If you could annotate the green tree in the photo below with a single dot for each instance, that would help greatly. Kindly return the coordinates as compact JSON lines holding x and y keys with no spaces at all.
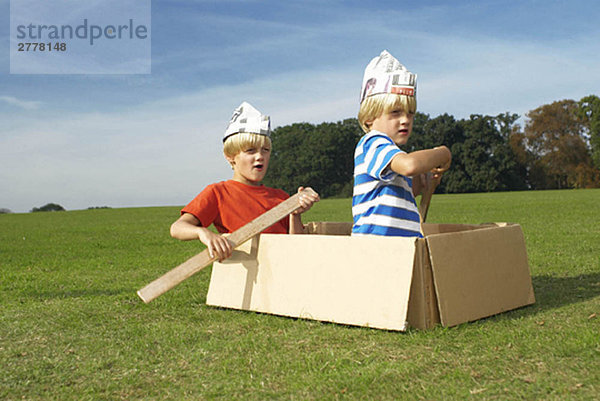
{"x":513,"y":175}
{"x":442,"y":130}
{"x":49,"y":207}
{"x":523,"y":157}
{"x":590,"y":113}
{"x":482,"y":158}
{"x":320,"y":156}
{"x":476,"y":154}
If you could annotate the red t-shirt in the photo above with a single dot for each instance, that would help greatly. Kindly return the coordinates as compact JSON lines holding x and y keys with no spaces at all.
{"x":230,"y":205}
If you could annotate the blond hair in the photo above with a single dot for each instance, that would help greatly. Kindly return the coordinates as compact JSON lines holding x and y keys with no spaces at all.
{"x":239,"y":142}
{"x":375,"y":106}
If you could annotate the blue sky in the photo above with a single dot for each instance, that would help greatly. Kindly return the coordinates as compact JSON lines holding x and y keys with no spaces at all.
{"x":155,"y":139}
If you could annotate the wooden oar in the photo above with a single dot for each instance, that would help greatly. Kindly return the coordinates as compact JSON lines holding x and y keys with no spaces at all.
{"x":203,"y":259}
{"x":426,"y":199}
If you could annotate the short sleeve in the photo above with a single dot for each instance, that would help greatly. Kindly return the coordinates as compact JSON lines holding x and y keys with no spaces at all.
{"x":204,"y":206}
{"x":379,"y":152}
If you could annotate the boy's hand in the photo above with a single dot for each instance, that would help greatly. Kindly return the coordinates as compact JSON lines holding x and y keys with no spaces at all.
{"x":436,"y":178}
{"x":306,"y":200}
{"x":218,"y":245}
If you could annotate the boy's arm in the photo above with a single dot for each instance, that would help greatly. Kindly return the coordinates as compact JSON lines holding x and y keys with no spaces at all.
{"x":436,"y":160}
{"x":306,"y":201}
{"x":187,"y":227}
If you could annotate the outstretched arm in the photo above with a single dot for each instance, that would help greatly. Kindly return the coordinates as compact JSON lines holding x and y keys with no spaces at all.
{"x":436,"y":160}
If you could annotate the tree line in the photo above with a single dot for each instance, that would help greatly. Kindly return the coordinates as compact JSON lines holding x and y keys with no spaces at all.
{"x":50,"y":207}
{"x":558,"y":147}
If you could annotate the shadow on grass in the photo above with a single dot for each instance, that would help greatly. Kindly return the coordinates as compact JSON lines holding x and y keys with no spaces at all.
{"x":553,"y":292}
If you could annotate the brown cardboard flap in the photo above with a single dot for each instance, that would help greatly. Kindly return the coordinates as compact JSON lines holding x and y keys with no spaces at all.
{"x":329,"y":228}
{"x":361,"y":281}
{"x":433,"y":228}
{"x":479,"y":273}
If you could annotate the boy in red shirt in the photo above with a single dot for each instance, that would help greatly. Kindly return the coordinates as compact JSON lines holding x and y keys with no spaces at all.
{"x":231,"y":204}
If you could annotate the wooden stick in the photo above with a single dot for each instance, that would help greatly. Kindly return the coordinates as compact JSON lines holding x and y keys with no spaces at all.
{"x":426,"y":198}
{"x":203,"y":259}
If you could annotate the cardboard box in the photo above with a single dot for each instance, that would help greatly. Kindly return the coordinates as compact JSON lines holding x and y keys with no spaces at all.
{"x":456,"y":274}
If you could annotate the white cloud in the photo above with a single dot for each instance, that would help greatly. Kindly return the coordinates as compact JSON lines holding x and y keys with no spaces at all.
{"x":23,"y":104}
{"x":490,"y":76}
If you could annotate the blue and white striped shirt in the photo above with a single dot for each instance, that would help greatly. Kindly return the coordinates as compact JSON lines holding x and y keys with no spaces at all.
{"x":382,"y":202}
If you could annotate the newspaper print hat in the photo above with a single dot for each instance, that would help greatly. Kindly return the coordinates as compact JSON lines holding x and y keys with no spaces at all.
{"x":247,"y":119}
{"x":385,"y":74}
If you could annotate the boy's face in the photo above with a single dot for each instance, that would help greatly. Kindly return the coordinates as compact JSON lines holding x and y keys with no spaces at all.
{"x":250,"y":165}
{"x":397,"y":124}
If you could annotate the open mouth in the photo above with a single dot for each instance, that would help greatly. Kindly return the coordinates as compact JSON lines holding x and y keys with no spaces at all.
{"x":258,"y":166}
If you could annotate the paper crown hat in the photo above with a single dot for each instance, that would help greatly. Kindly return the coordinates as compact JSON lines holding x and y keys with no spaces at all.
{"x":247,"y":119}
{"x":385,"y":74}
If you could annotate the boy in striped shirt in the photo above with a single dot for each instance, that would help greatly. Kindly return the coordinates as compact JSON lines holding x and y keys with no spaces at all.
{"x":383,"y":201}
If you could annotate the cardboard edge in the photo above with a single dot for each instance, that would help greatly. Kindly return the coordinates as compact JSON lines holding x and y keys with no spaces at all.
{"x":423,"y":310}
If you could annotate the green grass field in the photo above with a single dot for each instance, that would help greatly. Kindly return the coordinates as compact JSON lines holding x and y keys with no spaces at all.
{"x":72,"y":327}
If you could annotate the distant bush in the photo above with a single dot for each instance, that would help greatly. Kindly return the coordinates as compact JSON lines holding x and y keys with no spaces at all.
{"x":5,"y":211}
{"x":49,"y":207}
{"x":98,"y":207}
